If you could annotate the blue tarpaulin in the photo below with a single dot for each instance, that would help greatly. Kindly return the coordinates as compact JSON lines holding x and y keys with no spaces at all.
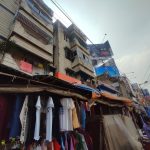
{"x":148,"y":111}
{"x":86,"y":88}
{"x":107,"y":88}
{"x":111,"y":70}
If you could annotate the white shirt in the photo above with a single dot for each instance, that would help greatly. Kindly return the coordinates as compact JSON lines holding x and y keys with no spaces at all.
{"x":49,"y":117}
{"x":37,"y":122}
{"x":23,"y":120}
{"x":65,"y":114}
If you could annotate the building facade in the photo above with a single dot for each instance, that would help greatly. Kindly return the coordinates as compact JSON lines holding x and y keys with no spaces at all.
{"x":71,"y":56}
{"x":28,"y":27}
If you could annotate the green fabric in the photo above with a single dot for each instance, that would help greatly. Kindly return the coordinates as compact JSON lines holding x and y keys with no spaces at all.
{"x":80,"y":143}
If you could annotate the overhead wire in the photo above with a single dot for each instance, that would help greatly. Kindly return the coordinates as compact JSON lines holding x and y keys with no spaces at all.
{"x":148,"y":70}
{"x":68,"y":17}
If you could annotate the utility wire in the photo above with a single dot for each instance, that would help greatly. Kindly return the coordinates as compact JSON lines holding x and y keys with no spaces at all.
{"x":148,"y":69}
{"x":64,"y":12}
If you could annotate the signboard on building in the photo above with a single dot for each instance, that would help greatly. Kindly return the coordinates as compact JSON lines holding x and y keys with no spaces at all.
{"x":112,"y":71}
{"x":98,"y":51}
{"x":25,"y":66}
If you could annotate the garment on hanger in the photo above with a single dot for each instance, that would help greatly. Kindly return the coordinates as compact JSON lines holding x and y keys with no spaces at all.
{"x":15,"y":125}
{"x":38,"y":116}
{"x":83,"y":116}
{"x":83,"y":141}
{"x":65,"y":114}
{"x":49,"y":119}
{"x":31,"y":116}
{"x":75,"y":120}
{"x":56,"y":120}
{"x":56,"y":145}
{"x":3,"y":115}
{"x":23,"y":120}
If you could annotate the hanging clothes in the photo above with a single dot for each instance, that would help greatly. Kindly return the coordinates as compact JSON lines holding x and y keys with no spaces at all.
{"x":78,"y":109}
{"x":56,"y":120}
{"x":50,"y":146}
{"x":38,"y":116}
{"x":15,"y":121}
{"x":49,"y":117}
{"x":147,"y":111}
{"x":83,"y":115}
{"x":3,"y":115}
{"x":56,"y":145}
{"x":146,"y":128}
{"x":75,"y":120}
{"x":79,"y":144}
{"x":83,"y":142}
{"x":31,"y":116}
{"x":23,"y":120}
{"x":65,"y":114}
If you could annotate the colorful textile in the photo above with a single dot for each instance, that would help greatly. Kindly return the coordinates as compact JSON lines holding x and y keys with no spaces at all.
{"x":83,"y":116}
{"x":75,"y":120}
{"x":56,"y":145}
{"x":23,"y":120}
{"x":147,"y":111}
{"x":65,"y":114}
{"x":31,"y":119}
{"x":3,"y":115}
{"x":15,"y":121}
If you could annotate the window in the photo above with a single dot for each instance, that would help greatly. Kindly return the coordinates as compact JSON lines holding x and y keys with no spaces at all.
{"x":75,"y":53}
{"x":82,"y":43}
{"x":35,"y":8}
{"x":65,"y":36}
{"x":45,"y":17}
{"x":70,"y":73}
{"x":69,"y":54}
{"x":83,"y":56}
{"x":39,"y":12}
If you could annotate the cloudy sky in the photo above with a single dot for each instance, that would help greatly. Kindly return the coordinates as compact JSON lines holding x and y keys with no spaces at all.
{"x":127,"y":25}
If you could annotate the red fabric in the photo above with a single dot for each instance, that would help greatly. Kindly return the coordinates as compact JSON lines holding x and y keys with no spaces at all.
{"x":27,"y":67}
{"x":74,"y":140}
{"x":67,"y":78}
{"x":56,"y":145}
{"x":49,"y":146}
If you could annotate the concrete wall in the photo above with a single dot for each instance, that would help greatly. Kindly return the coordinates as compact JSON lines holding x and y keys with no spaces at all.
{"x":24,"y":38}
{"x":30,"y":47}
{"x":60,"y":61}
{"x":8,"y":9}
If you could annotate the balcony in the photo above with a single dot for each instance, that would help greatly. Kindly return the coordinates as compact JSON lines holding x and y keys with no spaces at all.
{"x":39,"y":12}
{"x":33,"y":38}
{"x":27,"y":45}
{"x":80,"y":65}
{"x":75,"y":45}
{"x":74,"y":30}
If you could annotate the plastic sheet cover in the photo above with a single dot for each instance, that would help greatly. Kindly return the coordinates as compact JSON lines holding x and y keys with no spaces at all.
{"x":118,"y":135}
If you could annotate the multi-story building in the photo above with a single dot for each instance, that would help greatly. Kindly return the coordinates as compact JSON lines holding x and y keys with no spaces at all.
{"x":71,"y":56}
{"x":100,"y":52}
{"x":27,"y":24}
{"x":101,"y":55}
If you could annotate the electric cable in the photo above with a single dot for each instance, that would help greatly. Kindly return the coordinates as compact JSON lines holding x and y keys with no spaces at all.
{"x":66,"y":15}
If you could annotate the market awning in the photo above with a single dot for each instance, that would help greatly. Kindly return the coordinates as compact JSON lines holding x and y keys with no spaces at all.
{"x":116,"y":98}
{"x":95,"y":93}
{"x":106,"y":87}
